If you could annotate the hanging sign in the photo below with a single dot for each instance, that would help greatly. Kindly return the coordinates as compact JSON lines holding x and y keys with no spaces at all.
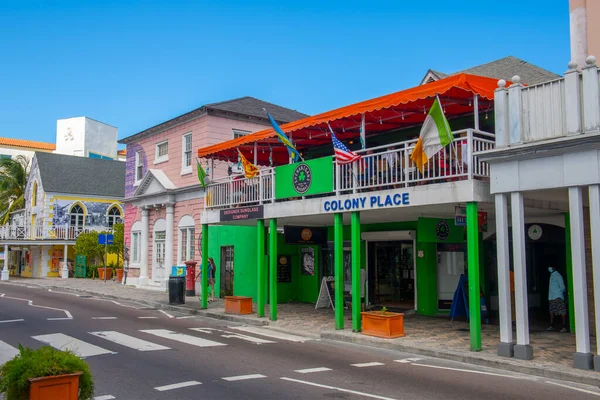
{"x":304,"y":178}
{"x":460,"y":216}
{"x":305,"y":235}
{"x":242,"y":213}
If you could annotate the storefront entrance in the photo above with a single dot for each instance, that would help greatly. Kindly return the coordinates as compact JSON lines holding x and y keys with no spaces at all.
{"x":226,"y":277}
{"x":391,"y":272}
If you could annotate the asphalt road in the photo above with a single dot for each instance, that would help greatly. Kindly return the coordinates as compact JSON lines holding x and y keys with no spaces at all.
{"x":139,"y":353}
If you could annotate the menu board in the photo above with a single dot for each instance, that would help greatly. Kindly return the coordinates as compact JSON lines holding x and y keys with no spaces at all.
{"x":284,"y":269}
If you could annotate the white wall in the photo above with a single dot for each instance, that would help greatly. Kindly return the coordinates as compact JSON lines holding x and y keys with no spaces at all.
{"x":81,"y":135}
{"x":70,"y":136}
{"x":100,"y":138}
{"x":16,"y":152}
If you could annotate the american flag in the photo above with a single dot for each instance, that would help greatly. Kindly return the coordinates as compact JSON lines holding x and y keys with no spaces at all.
{"x":343,"y":155}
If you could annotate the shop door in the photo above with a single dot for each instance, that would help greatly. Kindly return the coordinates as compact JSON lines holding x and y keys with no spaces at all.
{"x":450,"y":266}
{"x":226,"y":271}
{"x":158,"y":260}
{"x":393,"y":273}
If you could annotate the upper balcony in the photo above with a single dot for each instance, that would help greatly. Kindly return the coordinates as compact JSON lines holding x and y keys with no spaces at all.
{"x":24,"y":232}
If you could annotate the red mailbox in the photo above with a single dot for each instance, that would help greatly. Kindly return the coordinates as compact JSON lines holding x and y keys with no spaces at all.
{"x":190,"y":278}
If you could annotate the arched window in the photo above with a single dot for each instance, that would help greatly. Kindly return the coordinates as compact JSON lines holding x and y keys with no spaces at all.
{"x":77,"y":216}
{"x":34,"y":189}
{"x":114,"y":216}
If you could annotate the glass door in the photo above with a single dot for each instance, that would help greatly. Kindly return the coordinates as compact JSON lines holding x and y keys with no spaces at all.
{"x":226,"y":284}
{"x":158,"y":264}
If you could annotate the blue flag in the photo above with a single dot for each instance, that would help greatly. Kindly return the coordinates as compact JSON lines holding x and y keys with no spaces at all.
{"x":284,"y":139}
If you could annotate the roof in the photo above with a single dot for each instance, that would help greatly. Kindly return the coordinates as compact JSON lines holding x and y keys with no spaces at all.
{"x":504,"y":68}
{"x":81,"y":175}
{"x":243,"y":106}
{"x":122,"y":152}
{"x":393,"y":111}
{"x":29,"y":144}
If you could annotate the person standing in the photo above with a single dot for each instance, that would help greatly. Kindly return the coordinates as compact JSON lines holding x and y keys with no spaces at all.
{"x":211,"y":278}
{"x":556,"y":299}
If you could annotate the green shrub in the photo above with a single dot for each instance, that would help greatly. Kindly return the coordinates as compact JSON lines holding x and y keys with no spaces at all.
{"x":92,"y":271}
{"x":45,"y":361}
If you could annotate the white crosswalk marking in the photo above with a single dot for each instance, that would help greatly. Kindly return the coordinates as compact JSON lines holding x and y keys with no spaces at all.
{"x":7,"y":352}
{"x":270,"y":333}
{"x":129,"y":341}
{"x":180,"y":337}
{"x":105,"y":397}
{"x":233,"y":335}
{"x":408,"y":360}
{"x":311,"y":370}
{"x":369,"y":364}
{"x":177,"y":386}
{"x":61,"y":341}
{"x":243,"y":377}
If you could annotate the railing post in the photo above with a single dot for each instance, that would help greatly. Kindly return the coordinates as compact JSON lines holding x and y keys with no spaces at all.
{"x":515,"y":111}
{"x":573,"y":100}
{"x":354,"y":177}
{"x":471,"y":158}
{"x":406,"y":165}
{"x":273,"y":185}
{"x":337,"y":178}
{"x":501,"y":114}
{"x":591,"y":96}
{"x":260,"y":188}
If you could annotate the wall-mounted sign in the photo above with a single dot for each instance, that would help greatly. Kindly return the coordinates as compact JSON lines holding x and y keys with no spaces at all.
{"x":308,"y":260}
{"x":460,"y":216}
{"x":535,"y":232}
{"x":305,"y":235}
{"x":284,"y":269}
{"x":305,"y":178}
{"x":442,"y":230}
{"x":367,"y":202}
{"x":242,"y":213}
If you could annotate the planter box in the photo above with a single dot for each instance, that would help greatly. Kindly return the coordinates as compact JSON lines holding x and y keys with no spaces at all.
{"x":109,"y":273}
{"x":60,"y":387}
{"x":119,"y":275}
{"x":389,"y":325}
{"x":238,"y":305}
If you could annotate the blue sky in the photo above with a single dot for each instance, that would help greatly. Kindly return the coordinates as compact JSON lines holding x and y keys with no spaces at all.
{"x":134,"y":64}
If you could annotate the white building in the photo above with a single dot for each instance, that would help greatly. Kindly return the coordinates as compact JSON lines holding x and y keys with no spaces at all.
{"x":85,"y":137}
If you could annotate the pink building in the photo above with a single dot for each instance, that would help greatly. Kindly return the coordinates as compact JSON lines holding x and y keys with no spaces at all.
{"x":163,"y":196}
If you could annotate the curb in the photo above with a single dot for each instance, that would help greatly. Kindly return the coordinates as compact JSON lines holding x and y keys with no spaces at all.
{"x":468,"y":359}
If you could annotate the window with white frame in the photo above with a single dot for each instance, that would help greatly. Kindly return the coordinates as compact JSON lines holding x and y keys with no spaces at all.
{"x":162,"y":152}
{"x":139,"y":166}
{"x":187,"y":234}
{"x":186,"y":151}
{"x":239,"y":133}
{"x":135,"y":247}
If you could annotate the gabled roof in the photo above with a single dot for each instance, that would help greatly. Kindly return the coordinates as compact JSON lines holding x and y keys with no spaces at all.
{"x":28,"y":144}
{"x":504,"y":68}
{"x":147,"y":185}
{"x":241,"y":107}
{"x":81,"y":175}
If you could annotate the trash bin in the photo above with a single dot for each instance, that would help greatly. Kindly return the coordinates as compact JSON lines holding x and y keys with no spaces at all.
{"x":177,"y":290}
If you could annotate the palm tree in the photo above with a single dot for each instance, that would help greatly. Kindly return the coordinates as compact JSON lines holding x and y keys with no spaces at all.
{"x":13,"y":180}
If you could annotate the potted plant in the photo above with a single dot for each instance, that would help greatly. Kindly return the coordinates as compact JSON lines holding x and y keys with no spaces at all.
{"x":46,"y":373}
{"x":383,"y":324}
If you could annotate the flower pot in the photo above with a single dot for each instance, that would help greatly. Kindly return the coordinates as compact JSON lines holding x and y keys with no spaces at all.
{"x":388,"y":325}
{"x":119,"y":275}
{"x":60,"y":387}
{"x":102,"y":271}
{"x":238,"y":305}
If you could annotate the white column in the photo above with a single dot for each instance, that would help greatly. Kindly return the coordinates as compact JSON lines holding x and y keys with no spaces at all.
{"x":169,"y":241}
{"x":582,"y":358}
{"x":523,"y":350}
{"x":505,"y":347}
{"x":4,"y":274}
{"x":595,"y":242}
{"x":144,"y":247}
{"x":65,"y":268}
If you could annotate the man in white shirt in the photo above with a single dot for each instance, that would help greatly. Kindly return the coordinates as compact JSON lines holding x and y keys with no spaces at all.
{"x":556,"y":299}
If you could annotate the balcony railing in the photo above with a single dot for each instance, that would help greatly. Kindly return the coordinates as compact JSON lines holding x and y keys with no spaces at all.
{"x":38,"y":232}
{"x":383,"y":167}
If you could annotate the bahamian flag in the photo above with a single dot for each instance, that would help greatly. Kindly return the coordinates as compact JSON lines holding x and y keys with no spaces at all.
{"x":201,"y":174}
{"x":284,"y":139}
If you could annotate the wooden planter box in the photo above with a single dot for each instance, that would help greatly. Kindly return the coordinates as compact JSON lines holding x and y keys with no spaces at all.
{"x":119,"y":275}
{"x":389,"y":325}
{"x":60,"y":387}
{"x":238,"y":305}
{"x":109,"y":273}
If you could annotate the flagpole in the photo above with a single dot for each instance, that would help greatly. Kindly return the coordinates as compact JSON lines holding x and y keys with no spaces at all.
{"x":451,"y":144}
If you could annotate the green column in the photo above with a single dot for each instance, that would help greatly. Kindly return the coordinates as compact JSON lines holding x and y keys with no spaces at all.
{"x":473,"y":271}
{"x":273,"y":268}
{"x":355,"y":236}
{"x":569,"y":268}
{"x":205,"y":266}
{"x":338,"y":257}
{"x":260,"y":268}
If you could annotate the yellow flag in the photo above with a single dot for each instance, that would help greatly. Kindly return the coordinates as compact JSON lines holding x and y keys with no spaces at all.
{"x":250,"y":169}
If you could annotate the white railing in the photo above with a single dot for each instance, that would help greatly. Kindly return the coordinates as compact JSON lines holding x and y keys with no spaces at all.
{"x":544,"y":111}
{"x":379,"y":168}
{"x":38,"y":232}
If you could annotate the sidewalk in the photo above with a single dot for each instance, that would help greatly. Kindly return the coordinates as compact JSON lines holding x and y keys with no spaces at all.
{"x":428,"y":336}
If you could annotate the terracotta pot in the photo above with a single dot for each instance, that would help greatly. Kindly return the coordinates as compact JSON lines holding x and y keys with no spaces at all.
{"x":60,"y":387}
{"x":389,"y":325}
{"x":119,"y":274}
{"x":238,"y":305}
{"x":109,"y":272}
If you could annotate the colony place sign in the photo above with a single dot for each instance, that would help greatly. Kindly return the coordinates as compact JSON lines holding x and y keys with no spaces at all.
{"x":367,"y":202}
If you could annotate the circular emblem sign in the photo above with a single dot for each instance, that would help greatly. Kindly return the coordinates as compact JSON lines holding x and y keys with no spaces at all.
{"x":534,"y":232}
{"x":302,"y":178}
{"x":442,"y":230}
{"x":306,"y":234}
{"x":283,"y":260}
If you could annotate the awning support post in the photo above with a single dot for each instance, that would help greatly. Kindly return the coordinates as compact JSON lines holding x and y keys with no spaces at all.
{"x":338,"y":259}
{"x":356,"y":289}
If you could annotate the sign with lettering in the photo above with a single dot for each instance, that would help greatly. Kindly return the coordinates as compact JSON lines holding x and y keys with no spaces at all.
{"x":242,"y":213}
{"x":304,"y":178}
{"x":284,"y":269}
{"x":367,"y":202}
{"x":305,"y":235}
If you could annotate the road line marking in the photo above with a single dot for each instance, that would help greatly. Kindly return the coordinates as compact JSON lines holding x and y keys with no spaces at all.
{"x":243,"y":377}
{"x":177,"y":386}
{"x":311,"y":370}
{"x":166,"y":313}
{"x":30,"y":302}
{"x":189,"y":316}
{"x":104,"y":317}
{"x":369,"y":364}
{"x":574,"y":388}
{"x":106,"y":397}
{"x":408,"y":360}
{"x":180,"y":337}
{"x":469,"y":370}
{"x":373,"y":396}
{"x":270,"y":333}
{"x":59,"y":319}
{"x":129,"y":341}
{"x":7,"y":352}
{"x":148,"y":317}
{"x":233,"y":335}
{"x":11,"y":320}
{"x":61,"y":341}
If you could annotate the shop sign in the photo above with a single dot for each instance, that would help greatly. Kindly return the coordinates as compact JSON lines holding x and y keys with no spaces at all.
{"x":305,"y":178}
{"x":284,"y":269}
{"x":442,"y":230}
{"x":367,"y":202}
{"x":535,"y":232}
{"x":305,"y":235}
{"x":242,"y":213}
{"x":482,"y":221}
{"x":308,"y":260}
{"x":460,"y":216}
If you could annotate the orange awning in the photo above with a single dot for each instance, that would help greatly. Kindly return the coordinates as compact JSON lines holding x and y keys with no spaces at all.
{"x":405,"y":108}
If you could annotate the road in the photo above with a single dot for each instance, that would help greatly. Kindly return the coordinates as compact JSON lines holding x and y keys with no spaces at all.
{"x":140,"y":353}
